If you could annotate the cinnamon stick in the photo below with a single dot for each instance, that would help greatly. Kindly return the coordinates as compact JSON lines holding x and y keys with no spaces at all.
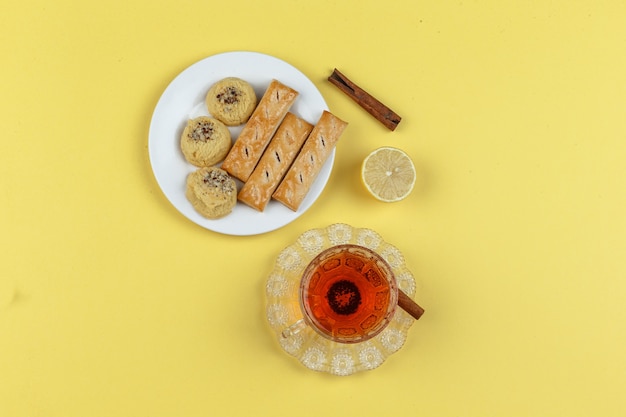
{"x":373,"y":106}
{"x":407,"y":304}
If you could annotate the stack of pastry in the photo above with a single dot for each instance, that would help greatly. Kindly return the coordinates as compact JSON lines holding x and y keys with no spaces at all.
{"x":277,"y":158}
{"x":278,"y":154}
{"x":307,"y":165}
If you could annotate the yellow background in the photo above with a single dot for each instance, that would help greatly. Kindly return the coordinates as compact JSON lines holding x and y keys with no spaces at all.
{"x":514,"y":112}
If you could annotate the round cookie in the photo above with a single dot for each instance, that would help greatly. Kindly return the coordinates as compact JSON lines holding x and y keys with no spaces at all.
{"x":212,"y":192}
{"x":231,"y":100}
{"x":205,"y":141}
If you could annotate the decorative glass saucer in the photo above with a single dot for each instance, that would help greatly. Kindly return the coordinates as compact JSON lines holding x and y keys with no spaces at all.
{"x":313,"y":350}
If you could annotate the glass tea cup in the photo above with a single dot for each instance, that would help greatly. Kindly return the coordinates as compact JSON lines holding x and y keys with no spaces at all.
{"x":348,"y":294}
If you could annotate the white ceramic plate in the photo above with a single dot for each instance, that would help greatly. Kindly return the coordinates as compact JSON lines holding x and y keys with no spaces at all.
{"x":184,"y":98}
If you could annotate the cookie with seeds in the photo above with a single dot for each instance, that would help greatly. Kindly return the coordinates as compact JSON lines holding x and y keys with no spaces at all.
{"x":231,"y":100}
{"x":205,"y":141}
{"x":211,"y":192}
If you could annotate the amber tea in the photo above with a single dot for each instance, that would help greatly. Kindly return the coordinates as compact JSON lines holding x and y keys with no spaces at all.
{"x":348,"y":293}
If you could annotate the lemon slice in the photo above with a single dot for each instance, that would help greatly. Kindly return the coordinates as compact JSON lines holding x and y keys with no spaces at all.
{"x":388,"y":174}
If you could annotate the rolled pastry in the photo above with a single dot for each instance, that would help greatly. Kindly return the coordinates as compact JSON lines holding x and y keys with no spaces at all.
{"x":276,"y":159}
{"x":315,"y":151}
{"x":257,"y":132}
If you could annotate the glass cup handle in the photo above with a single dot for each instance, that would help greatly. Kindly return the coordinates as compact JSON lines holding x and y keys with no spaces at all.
{"x":294,"y":329}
